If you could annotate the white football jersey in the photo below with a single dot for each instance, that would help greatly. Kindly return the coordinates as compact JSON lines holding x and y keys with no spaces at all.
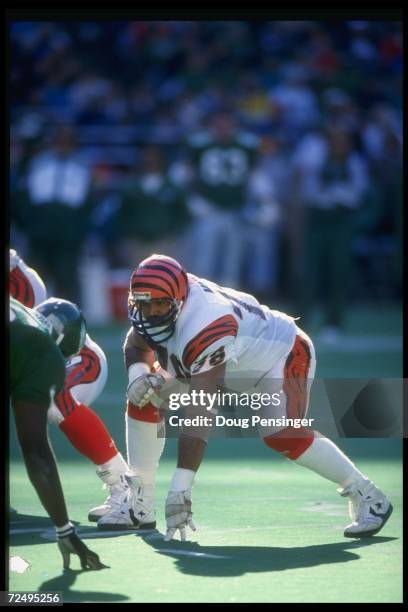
{"x":85,"y":378}
{"x":218,"y":325}
{"x":25,"y":284}
{"x":87,"y":371}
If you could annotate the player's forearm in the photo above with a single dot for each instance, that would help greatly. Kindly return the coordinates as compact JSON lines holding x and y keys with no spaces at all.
{"x":190,"y":452}
{"x":31,"y":426}
{"x":134,"y":355}
{"x":135,"y":350}
{"x":43,"y":473}
{"x":194,"y":436}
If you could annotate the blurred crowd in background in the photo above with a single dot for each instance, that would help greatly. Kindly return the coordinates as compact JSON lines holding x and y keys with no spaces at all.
{"x":266,"y":156}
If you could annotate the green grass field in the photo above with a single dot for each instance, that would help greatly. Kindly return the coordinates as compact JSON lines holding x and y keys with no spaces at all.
{"x":268,"y":530}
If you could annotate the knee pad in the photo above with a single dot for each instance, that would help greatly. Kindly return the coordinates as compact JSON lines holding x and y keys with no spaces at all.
{"x":291,"y":442}
{"x":149,"y":413}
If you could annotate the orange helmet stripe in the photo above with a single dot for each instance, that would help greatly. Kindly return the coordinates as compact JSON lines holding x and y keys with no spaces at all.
{"x":162,"y":278}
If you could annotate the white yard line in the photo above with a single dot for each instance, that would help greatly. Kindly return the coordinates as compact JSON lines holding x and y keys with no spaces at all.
{"x":189,"y":553}
{"x":27,"y":530}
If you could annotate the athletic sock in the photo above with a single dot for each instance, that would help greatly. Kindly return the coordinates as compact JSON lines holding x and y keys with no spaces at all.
{"x":327,"y":460}
{"x":144,"y":448}
{"x":113,"y":472}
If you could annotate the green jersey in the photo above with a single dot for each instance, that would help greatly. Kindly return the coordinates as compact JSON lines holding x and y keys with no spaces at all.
{"x":37,"y":366}
{"x":222,"y":169}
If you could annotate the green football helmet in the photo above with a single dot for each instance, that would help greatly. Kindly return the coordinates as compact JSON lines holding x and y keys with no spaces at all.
{"x":68,"y":326}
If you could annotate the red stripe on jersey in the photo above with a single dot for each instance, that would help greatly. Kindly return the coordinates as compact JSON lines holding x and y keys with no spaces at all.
{"x":21,"y":288}
{"x":84,"y":372}
{"x":295,"y":378}
{"x":220,"y":328}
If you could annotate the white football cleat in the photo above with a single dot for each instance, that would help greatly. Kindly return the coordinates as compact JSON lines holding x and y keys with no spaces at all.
{"x":117,"y":496}
{"x":137,"y":510}
{"x":369,"y":510}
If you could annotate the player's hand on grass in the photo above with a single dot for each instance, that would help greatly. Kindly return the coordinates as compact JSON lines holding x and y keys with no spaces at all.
{"x":178,"y":514}
{"x":70,"y":544}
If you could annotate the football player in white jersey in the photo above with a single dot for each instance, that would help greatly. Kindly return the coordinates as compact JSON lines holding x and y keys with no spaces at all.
{"x":86,"y":375}
{"x":214,"y":335}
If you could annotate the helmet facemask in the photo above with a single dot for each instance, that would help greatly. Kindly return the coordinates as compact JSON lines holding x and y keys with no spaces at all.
{"x":155,"y":329}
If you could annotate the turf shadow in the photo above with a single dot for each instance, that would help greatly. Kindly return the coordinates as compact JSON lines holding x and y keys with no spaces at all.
{"x":30,"y":530}
{"x":66,"y":580}
{"x":25,"y":529}
{"x":193,"y":559}
{"x":16,"y":519}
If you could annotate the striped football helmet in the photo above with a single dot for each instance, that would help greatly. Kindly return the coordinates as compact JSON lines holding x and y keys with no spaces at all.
{"x":157,"y":278}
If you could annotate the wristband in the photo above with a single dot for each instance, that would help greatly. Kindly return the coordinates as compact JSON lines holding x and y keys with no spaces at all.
{"x":65,"y":530}
{"x":137,"y":369}
{"x":182,"y":480}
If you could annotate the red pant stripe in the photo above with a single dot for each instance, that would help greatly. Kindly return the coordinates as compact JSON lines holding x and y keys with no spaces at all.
{"x":295,"y":378}
{"x":65,"y":402}
{"x":21,"y":288}
{"x":87,"y":371}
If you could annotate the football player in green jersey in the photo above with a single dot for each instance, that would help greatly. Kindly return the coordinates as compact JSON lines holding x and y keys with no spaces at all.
{"x":221,"y":161}
{"x":39,"y":343}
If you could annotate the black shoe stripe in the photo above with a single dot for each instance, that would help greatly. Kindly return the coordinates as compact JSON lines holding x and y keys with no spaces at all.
{"x":138,"y":524}
{"x":368,"y":534}
{"x":377,"y":514}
